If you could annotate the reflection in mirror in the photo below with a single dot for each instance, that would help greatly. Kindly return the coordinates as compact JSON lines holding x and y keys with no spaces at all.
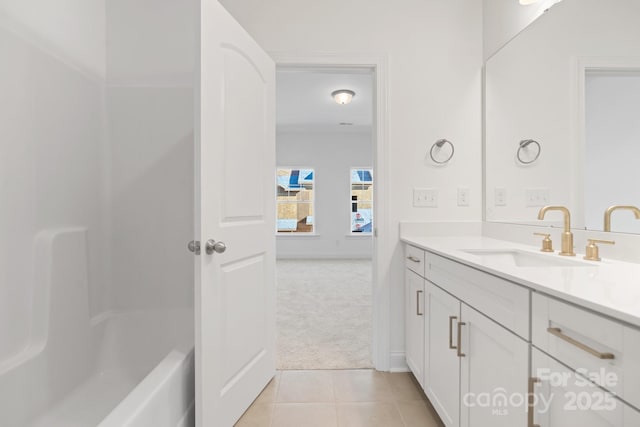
{"x":612,"y":140}
{"x":571,"y":82}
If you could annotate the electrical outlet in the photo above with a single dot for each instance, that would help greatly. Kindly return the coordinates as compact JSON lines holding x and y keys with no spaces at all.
{"x":537,"y":197}
{"x":463,"y":197}
{"x":425,"y":197}
{"x":500,"y":196}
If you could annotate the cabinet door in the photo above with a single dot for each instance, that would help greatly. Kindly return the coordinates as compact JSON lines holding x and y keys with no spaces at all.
{"x":564,"y":398}
{"x":414,"y":324}
{"x":494,"y":373}
{"x":442,"y":365}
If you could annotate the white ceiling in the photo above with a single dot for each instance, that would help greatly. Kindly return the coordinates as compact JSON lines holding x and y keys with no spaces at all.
{"x":303,"y":99}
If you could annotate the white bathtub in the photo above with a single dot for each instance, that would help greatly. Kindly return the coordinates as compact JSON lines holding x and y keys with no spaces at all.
{"x":133,"y":379}
{"x":118,"y":369}
{"x":165,"y":398}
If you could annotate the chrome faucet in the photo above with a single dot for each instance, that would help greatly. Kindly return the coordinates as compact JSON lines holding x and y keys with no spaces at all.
{"x":609,"y":211}
{"x":567,"y":236}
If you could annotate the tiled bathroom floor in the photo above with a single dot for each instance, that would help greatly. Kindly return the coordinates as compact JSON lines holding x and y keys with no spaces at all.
{"x":341,"y":398}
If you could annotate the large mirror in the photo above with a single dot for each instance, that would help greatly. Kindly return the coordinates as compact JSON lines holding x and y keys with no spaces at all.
{"x":562,"y":117}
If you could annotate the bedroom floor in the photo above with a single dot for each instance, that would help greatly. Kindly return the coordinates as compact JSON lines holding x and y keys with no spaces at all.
{"x":341,"y":398}
{"x":324,"y":314}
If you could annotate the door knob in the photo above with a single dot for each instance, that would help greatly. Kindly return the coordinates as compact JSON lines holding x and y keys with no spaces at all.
{"x":194,"y":246}
{"x":213,"y":246}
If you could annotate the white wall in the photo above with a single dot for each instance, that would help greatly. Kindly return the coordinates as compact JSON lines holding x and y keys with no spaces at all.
{"x":72,"y":30}
{"x":51,"y":170}
{"x":531,"y":92}
{"x":331,"y":155}
{"x":504,"y":19}
{"x":434,"y":52}
{"x":151,"y":42}
{"x":611,"y":173}
{"x":150,"y":106}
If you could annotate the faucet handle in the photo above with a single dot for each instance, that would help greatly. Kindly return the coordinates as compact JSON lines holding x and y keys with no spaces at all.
{"x":547,"y":244}
{"x":592,"y":249}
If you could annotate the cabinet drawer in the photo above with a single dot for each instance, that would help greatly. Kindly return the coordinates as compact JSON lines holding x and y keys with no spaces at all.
{"x":414,"y":259}
{"x":565,"y":399}
{"x":606,"y":351}
{"x":504,"y":302}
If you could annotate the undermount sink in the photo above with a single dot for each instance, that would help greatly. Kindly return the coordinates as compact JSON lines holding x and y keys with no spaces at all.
{"x":517,"y":258}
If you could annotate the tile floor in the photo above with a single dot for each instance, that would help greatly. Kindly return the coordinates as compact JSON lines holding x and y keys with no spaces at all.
{"x":341,"y":398}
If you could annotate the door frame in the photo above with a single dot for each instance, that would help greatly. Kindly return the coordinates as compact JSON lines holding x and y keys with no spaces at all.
{"x":381,"y":241}
{"x":581,"y":66}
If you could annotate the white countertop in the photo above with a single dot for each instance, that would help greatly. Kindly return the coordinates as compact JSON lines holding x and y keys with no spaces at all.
{"x":608,"y":287}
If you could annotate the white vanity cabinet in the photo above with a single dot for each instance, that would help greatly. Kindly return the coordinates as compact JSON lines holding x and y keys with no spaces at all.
{"x":490,"y":343}
{"x":468,"y":357}
{"x":414,"y":324}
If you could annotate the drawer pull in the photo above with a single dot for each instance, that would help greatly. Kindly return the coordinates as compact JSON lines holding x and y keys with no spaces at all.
{"x":418,"y":303}
{"x":451,"y":319}
{"x":558,"y":333}
{"x":460,"y":325}
{"x":414,"y":259}
{"x":531,"y":402}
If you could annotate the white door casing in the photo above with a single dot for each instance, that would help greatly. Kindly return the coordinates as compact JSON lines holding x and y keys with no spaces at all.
{"x":235,"y":164}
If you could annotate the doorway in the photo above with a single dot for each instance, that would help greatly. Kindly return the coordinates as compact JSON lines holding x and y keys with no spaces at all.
{"x":325,"y":217}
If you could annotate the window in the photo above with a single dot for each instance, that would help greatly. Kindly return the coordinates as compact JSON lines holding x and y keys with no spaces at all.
{"x":361,"y":200}
{"x":294,"y":200}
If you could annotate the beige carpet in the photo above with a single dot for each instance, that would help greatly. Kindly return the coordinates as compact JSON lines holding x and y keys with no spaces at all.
{"x":324,"y":314}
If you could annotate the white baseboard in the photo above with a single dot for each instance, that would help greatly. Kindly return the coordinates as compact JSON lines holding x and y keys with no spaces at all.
{"x":323,"y":256}
{"x":398,"y":362}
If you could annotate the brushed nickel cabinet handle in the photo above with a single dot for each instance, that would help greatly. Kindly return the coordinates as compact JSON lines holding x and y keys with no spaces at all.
{"x":460,"y":325}
{"x":451,"y":319}
{"x":418,"y":303}
{"x":414,"y":259}
{"x":558,"y":333}
{"x":531,"y":402}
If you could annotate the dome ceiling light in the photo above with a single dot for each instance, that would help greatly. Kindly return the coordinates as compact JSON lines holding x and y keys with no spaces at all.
{"x":343,"y":96}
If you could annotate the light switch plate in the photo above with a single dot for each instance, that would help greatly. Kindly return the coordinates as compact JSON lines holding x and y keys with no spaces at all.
{"x":463,"y":196}
{"x":425,"y":197}
{"x":537,"y":197}
{"x":500,"y":196}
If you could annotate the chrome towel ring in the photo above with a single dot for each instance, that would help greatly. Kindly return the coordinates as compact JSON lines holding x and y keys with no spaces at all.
{"x":436,"y":149}
{"x":523,"y":147}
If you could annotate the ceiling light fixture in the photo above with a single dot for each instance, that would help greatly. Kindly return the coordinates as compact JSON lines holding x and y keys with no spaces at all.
{"x":343,"y":96}
{"x":528,"y":2}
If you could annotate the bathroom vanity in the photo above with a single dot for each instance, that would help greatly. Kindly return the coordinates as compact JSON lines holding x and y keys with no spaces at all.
{"x":494,"y":328}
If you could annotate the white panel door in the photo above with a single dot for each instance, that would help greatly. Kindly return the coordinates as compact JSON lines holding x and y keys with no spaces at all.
{"x":414,"y":323}
{"x":442,"y":364}
{"x":493,"y":373}
{"x":235,"y":158}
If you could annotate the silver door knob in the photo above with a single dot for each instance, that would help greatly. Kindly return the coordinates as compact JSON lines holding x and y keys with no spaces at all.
{"x":213,"y":246}
{"x":194,"y":246}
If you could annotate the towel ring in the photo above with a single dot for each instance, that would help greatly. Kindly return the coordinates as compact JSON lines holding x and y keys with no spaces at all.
{"x":439,"y":144}
{"x":523,"y":146}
